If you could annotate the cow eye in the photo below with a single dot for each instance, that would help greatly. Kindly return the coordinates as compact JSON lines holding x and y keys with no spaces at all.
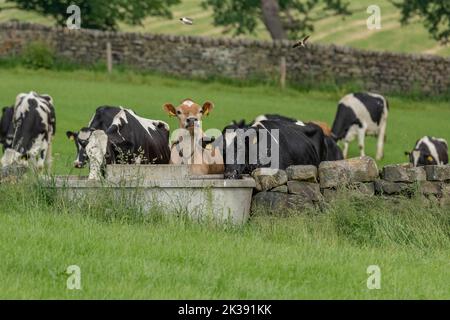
{"x":178,"y":112}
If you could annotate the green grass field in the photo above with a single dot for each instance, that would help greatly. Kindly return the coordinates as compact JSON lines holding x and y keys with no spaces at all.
{"x":352,"y":31}
{"x":124,"y":254}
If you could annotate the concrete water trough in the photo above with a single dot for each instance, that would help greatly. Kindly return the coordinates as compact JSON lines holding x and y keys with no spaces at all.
{"x":169,"y":187}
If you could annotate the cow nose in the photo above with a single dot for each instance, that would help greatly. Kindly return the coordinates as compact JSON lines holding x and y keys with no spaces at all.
{"x":191,"y":121}
{"x":78,"y":164}
{"x":231,"y":175}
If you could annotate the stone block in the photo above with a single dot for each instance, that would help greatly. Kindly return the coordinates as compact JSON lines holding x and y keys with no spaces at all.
{"x":309,"y":190}
{"x":282,"y":189}
{"x":438,"y":173}
{"x":278,"y":203}
{"x":428,"y":188}
{"x":403,"y":173}
{"x":393,"y":188}
{"x":302,"y":173}
{"x":344,"y":172}
{"x":267,"y":178}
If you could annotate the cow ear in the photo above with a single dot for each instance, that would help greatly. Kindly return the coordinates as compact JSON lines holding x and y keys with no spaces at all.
{"x":19,"y":97}
{"x":170,"y":109}
{"x":207,"y":107}
{"x":407,"y":153}
{"x":47,"y":98}
{"x":71,"y":135}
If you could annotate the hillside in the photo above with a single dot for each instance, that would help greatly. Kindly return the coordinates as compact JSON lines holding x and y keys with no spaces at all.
{"x":352,"y":31}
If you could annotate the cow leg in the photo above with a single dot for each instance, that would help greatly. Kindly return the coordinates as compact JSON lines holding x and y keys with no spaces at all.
{"x":361,"y":137}
{"x":345,"y":151}
{"x":41,"y":157}
{"x":48,"y":156}
{"x":381,"y":140}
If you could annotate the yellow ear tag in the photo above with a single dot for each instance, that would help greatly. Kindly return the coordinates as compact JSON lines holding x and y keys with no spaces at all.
{"x":208,"y":147}
{"x":430,"y":158}
{"x":72,"y":138}
{"x":255,"y":140}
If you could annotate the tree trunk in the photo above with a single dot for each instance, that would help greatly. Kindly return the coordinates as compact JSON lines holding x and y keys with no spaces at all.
{"x":271,"y":19}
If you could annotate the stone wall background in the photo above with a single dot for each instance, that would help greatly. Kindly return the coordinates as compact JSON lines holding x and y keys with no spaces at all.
{"x":191,"y":56}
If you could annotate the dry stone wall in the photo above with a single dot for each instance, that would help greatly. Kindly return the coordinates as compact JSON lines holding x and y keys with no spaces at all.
{"x":302,"y":187}
{"x":191,"y":56}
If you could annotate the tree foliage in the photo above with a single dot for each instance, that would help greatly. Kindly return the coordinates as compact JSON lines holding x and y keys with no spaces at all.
{"x":434,"y":13}
{"x":100,"y":14}
{"x":295,"y":16}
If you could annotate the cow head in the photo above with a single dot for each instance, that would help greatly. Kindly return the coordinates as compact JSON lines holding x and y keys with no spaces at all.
{"x":33,"y":122}
{"x":6,"y":127}
{"x":421,"y":158}
{"x":189,"y":113}
{"x":239,"y":149}
{"x":81,"y":139}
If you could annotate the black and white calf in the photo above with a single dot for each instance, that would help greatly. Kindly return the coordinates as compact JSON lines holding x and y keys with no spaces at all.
{"x":6,"y":127}
{"x":130,"y":139}
{"x":271,"y":144}
{"x":429,"y":151}
{"x":358,"y":115}
{"x":101,"y":120}
{"x":34,"y":123}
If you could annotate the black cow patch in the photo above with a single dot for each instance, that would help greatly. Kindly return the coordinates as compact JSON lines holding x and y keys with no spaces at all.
{"x":374,"y":105}
{"x":345,"y":118}
{"x":7,"y":127}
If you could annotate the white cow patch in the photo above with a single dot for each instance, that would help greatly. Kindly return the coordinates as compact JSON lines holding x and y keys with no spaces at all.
{"x":188,"y":103}
{"x":362,"y":114}
{"x":260,"y":118}
{"x":96,"y":151}
{"x":431,"y":146}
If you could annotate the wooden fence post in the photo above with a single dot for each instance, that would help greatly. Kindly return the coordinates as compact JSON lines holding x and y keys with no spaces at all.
{"x":109,"y":60}
{"x":283,"y":72}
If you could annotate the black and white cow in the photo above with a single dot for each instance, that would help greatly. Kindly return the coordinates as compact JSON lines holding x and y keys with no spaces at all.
{"x":253,"y":147}
{"x":6,"y":127}
{"x":334,"y":153}
{"x":358,"y":115}
{"x":130,"y":139}
{"x":429,"y":151}
{"x":34,"y":124}
{"x":101,"y":120}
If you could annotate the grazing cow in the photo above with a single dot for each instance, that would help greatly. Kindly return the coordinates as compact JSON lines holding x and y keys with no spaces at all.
{"x":189,"y":145}
{"x":130,"y":139}
{"x":101,"y":120}
{"x":429,"y":151}
{"x":34,"y":124}
{"x":7,"y":127}
{"x":271,"y":143}
{"x":358,"y":115}
{"x":334,"y":153}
